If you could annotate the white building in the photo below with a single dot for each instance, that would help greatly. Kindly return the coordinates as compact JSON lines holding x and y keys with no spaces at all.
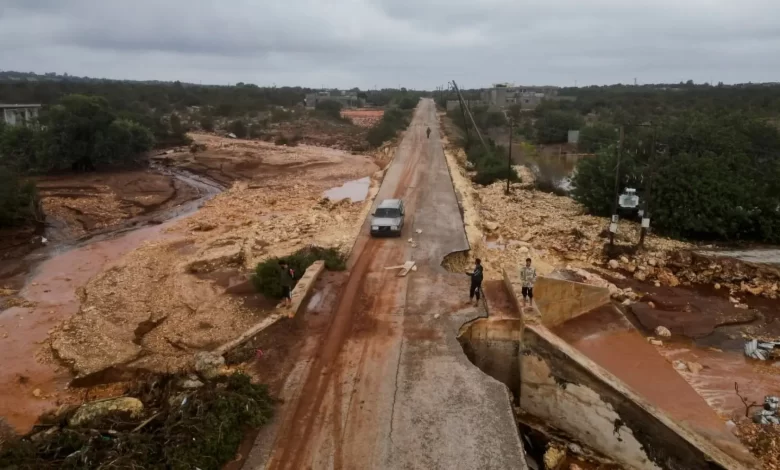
{"x":19,"y":114}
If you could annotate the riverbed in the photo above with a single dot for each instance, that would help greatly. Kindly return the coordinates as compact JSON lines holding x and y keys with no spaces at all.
{"x":31,"y":379}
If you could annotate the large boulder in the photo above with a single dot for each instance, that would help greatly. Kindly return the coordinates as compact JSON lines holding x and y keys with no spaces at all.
{"x":89,"y":412}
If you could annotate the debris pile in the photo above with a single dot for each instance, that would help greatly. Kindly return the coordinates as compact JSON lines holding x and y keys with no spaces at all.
{"x":770,"y":413}
{"x":168,"y":299}
{"x":763,"y":441}
{"x":160,"y":424}
{"x":762,"y":350}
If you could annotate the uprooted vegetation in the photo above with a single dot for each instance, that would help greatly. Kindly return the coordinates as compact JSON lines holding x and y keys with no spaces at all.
{"x":174,"y":423}
{"x":267,"y":280}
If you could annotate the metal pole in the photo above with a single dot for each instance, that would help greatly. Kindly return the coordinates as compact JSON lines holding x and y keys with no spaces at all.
{"x":646,"y":214}
{"x":509,"y":158}
{"x":614,"y":221}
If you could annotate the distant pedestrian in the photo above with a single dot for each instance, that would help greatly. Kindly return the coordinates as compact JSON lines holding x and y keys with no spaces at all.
{"x":476,"y":281}
{"x":286,"y":279}
{"x":428,"y":132}
{"x":528,"y":278}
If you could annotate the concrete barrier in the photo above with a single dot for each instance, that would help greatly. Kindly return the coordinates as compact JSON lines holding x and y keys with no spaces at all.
{"x":559,"y":300}
{"x":305,"y":285}
{"x":299,"y":294}
{"x":557,"y":383}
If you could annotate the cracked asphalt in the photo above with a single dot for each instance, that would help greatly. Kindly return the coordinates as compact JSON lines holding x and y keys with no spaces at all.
{"x":387,"y":385}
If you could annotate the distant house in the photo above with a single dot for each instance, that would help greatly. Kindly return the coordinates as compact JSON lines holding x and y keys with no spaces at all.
{"x":19,"y":114}
{"x":347,"y":99}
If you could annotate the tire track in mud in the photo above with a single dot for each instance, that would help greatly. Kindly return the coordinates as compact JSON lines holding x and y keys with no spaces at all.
{"x":321,"y":394}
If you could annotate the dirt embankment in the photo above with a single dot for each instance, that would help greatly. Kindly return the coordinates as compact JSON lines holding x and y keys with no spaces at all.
{"x":166,"y":300}
{"x":363,"y":117}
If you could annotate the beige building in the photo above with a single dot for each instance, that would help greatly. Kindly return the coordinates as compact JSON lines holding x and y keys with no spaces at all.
{"x":19,"y":114}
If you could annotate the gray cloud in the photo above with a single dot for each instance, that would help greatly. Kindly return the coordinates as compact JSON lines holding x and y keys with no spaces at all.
{"x":415,"y":43}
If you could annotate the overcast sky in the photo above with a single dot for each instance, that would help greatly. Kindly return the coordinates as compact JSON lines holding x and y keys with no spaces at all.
{"x":386,"y":43}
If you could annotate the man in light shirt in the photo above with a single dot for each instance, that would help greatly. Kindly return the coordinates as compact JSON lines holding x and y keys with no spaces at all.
{"x":528,"y":278}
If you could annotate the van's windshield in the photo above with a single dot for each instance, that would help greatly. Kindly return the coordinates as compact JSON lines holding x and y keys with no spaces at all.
{"x":387,"y":213}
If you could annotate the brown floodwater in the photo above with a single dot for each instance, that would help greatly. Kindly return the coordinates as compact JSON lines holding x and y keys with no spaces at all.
{"x":29,"y":368}
{"x":356,"y":190}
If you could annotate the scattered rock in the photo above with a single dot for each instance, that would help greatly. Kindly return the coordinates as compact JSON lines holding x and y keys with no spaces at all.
{"x":490,"y":226}
{"x":614,"y":264}
{"x":651,"y":304}
{"x":437,"y":316}
{"x":733,"y":300}
{"x":663,"y":332}
{"x":418,"y":231}
{"x":553,"y":457}
{"x":575,"y":448}
{"x":208,"y":365}
{"x":695,"y":367}
{"x":742,"y":306}
{"x":680,"y":365}
{"x":640,"y":276}
{"x":189,"y":383}
{"x":657,"y":284}
{"x":37,"y":393}
{"x":95,"y":410}
{"x":656,"y":342}
{"x":652,"y":262}
{"x":717,"y":286}
{"x":624,"y":259}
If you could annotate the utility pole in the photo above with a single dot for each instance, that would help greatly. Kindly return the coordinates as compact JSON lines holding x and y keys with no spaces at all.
{"x":647,"y":198}
{"x":614,"y":222}
{"x":509,"y":158}
{"x":476,"y":129}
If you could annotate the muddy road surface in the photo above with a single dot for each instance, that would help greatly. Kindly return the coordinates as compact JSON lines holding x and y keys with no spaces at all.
{"x":386,"y":384}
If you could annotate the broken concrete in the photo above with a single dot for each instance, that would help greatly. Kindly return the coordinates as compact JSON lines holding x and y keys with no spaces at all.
{"x":563,"y":386}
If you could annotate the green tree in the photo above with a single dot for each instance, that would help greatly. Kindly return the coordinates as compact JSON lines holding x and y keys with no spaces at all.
{"x":329,"y":108}
{"x":19,"y":204}
{"x":554,"y":126}
{"x":238,"y":128}
{"x":596,"y":136}
{"x":207,"y":123}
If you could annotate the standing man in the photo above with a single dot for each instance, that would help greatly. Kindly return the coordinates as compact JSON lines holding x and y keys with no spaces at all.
{"x":528,"y":278}
{"x":287,"y":279}
{"x":428,"y":132}
{"x":476,"y":281}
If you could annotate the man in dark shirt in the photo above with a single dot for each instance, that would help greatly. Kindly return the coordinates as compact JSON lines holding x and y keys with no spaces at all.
{"x":476,"y":281}
{"x":428,"y":132}
{"x":287,"y":279}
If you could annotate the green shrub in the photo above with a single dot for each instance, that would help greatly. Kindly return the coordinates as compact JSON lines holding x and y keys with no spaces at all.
{"x":386,"y":129}
{"x":19,"y":203}
{"x":329,"y":109}
{"x":267,"y":274}
{"x":178,"y":430}
{"x":554,"y":126}
{"x":207,"y":123}
{"x":408,"y":102}
{"x":238,"y":127}
{"x":492,"y":168}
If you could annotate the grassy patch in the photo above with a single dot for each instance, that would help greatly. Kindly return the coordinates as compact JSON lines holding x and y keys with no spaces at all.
{"x":267,"y":278}
{"x":181,"y":430}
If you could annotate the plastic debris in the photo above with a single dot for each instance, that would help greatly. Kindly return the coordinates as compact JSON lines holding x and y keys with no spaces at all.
{"x":769,"y":414}
{"x":761,"y":350}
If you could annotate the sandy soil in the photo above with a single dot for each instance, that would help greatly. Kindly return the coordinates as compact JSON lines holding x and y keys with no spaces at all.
{"x":363,"y":117}
{"x":162,"y":302}
{"x":82,"y":203}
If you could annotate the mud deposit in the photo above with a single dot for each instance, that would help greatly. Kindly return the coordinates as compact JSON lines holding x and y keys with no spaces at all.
{"x":31,"y":380}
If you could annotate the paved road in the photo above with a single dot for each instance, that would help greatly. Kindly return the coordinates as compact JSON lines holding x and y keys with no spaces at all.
{"x":389,"y":385}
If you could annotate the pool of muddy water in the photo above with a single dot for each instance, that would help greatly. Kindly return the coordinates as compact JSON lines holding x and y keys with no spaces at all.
{"x":356,"y":190}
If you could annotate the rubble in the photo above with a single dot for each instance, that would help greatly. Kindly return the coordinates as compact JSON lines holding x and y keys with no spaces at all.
{"x":762,"y":350}
{"x":161,"y":303}
{"x":208,"y":365}
{"x":770,"y":413}
{"x":92,"y":411}
{"x":663,"y":331}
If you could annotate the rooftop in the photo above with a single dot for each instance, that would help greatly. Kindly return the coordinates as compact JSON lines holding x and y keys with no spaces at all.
{"x":12,"y":106}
